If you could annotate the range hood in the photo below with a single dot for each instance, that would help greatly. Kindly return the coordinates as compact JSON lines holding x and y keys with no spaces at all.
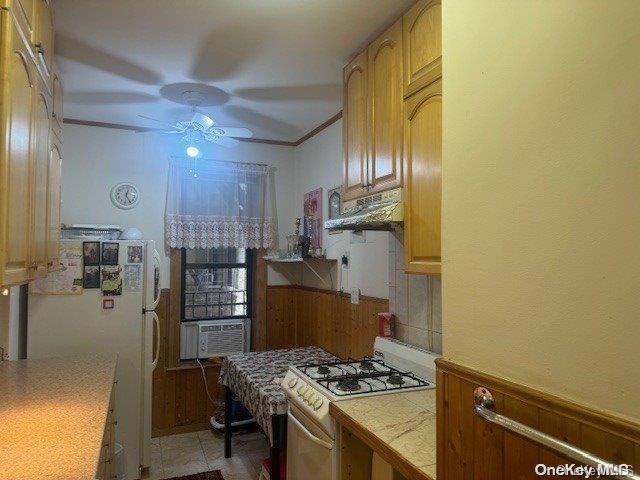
{"x":381,"y":211}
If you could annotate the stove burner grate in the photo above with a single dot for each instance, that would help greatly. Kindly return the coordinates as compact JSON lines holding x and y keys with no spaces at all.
{"x":367,"y":366}
{"x":348,"y":385}
{"x":324,"y":370}
{"x":395,"y":379}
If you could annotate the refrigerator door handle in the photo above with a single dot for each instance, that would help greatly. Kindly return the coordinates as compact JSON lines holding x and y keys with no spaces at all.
{"x":156,"y":263}
{"x":156,"y":321}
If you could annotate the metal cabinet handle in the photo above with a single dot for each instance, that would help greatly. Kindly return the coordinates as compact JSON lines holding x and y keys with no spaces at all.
{"x":39,"y":48}
{"x":483,"y":407}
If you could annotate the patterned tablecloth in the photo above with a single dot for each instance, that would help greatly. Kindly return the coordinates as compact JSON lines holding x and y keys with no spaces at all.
{"x":255,"y":378}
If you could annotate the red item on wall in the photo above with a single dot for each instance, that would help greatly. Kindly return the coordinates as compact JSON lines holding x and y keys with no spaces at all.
{"x":386,"y":324}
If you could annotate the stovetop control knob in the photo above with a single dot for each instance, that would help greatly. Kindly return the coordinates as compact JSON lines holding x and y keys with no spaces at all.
{"x":308,"y":394}
{"x":318,"y":403}
{"x":293,"y":382}
{"x":302,"y":390}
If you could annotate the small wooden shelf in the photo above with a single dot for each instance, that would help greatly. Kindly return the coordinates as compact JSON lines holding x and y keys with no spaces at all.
{"x":297,"y":259}
{"x":303,"y":261}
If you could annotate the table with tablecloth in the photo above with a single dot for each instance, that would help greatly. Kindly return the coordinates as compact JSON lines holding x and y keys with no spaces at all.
{"x":255,"y":378}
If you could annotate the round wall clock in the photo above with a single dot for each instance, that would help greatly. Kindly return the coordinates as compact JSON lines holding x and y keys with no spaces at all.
{"x":124,"y":195}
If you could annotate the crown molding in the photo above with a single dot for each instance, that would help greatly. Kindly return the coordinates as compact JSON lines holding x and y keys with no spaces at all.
{"x":267,"y":141}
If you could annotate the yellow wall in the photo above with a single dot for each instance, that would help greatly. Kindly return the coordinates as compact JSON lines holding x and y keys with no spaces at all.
{"x":541,"y":200}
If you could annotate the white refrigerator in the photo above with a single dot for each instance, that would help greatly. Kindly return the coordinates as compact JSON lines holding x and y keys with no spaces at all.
{"x":62,"y":325}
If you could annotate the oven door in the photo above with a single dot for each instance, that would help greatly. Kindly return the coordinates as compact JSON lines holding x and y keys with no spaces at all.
{"x":311,"y":452}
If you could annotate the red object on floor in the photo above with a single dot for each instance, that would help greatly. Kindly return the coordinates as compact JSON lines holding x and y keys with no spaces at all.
{"x":212,"y":475}
{"x":266,"y":463}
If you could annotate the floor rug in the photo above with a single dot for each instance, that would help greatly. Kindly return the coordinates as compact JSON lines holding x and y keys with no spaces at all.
{"x":212,"y":475}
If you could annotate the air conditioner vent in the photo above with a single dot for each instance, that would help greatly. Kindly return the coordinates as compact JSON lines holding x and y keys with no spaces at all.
{"x":221,"y":339}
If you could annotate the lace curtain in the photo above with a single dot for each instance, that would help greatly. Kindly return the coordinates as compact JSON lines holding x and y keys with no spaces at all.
{"x":214,"y":204}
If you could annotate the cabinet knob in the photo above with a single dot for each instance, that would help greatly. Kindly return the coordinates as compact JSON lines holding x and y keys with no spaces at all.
{"x":34,"y":266}
{"x":39,"y":48}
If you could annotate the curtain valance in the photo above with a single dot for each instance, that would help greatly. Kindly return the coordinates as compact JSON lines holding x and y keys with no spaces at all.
{"x":214,"y":204}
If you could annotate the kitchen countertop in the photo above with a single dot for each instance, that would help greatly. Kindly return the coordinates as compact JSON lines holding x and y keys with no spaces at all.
{"x":400,"y":427}
{"x":52,"y":416}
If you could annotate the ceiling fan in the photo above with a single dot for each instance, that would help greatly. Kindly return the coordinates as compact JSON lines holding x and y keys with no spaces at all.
{"x":202,"y":128}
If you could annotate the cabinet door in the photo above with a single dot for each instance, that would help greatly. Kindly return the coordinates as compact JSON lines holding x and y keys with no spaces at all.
{"x":354,"y":127}
{"x":53,"y":204}
{"x":40,"y":165}
{"x":44,"y":33}
{"x":385,"y":110}
{"x":56,"y":88}
{"x":422,"y":31}
{"x":17,"y":90}
{"x":24,"y":10}
{"x":423,"y":179}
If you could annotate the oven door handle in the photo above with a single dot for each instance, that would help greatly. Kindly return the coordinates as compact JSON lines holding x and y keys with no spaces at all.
{"x":308,"y":434}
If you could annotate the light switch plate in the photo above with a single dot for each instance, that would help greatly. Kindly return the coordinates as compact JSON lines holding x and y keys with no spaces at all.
{"x":355,"y":296}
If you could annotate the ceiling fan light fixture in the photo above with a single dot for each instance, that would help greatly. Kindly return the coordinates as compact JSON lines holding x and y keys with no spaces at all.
{"x":193,"y":151}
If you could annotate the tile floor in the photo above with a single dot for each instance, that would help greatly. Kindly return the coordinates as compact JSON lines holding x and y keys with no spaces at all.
{"x":188,"y":453}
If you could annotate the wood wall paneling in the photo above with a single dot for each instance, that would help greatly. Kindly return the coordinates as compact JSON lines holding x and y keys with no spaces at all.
{"x":470,"y":447}
{"x":284,"y":317}
{"x":180,"y":403}
{"x":303,"y":316}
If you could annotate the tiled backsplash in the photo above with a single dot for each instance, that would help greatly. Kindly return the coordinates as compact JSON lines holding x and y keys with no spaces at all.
{"x":416,"y":300}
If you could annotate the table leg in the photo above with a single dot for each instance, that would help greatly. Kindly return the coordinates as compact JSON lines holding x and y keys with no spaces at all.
{"x":278,"y":434}
{"x":227,"y":422}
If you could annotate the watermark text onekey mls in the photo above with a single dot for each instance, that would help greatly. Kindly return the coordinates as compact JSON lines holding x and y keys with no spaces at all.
{"x":586,"y":471}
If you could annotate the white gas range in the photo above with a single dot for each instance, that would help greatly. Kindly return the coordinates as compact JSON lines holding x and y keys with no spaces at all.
{"x":312,"y":449}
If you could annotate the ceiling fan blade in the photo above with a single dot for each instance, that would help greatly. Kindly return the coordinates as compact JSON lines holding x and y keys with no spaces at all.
{"x":236,"y":132}
{"x":166,"y":124}
{"x":223,"y":141}
{"x":201,"y":121}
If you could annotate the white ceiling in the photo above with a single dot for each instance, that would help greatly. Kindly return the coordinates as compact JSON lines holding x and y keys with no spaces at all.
{"x":274,"y":66}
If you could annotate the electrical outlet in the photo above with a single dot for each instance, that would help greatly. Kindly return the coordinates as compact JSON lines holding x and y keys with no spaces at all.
{"x":344,"y":260}
{"x":355,"y":296}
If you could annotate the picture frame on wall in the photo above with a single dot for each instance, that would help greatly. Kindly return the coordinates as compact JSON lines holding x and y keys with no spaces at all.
{"x":91,"y":253}
{"x":110,"y":253}
{"x":334,"y":205}
{"x":313,"y":224}
{"x":91,"y":276}
{"x":111,"y":280}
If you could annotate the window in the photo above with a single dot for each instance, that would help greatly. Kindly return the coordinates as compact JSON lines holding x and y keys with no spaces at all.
{"x":216,"y":284}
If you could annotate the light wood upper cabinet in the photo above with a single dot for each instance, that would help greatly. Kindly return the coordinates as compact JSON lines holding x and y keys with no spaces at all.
{"x":422,"y":41}
{"x":354,"y":127}
{"x":29,"y":162}
{"x":53,"y":204}
{"x":385,"y":110}
{"x":423,"y":179}
{"x":43,"y":35}
{"x":17,"y":94}
{"x":372,"y":117}
{"x":40,"y":167}
{"x":56,"y":87}
{"x":24,"y":11}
